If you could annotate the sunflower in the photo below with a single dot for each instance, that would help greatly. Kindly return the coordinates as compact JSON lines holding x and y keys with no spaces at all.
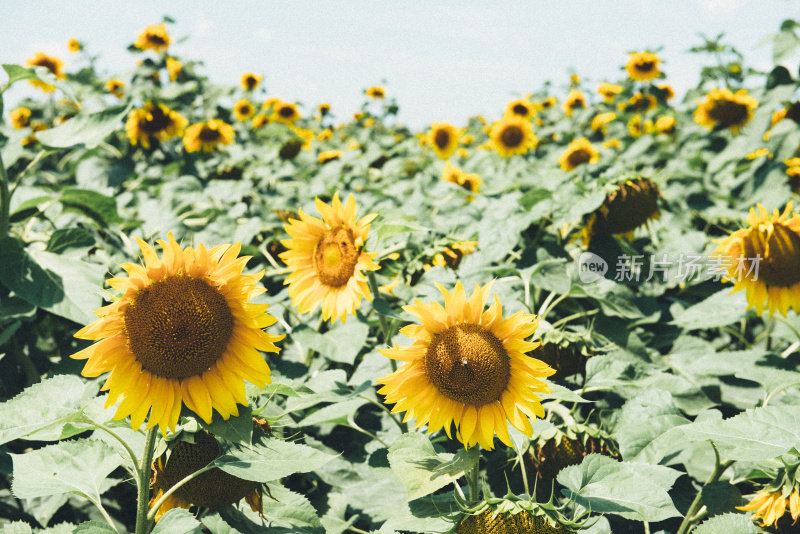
{"x":667,"y":92}
{"x":522,"y":522}
{"x":213,"y":489}
{"x":181,"y":333}
{"x":643,"y":66}
{"x":376,"y":92}
{"x":467,"y":367}
{"x":174,"y":68}
{"x":635,"y":126}
{"x":792,"y":112}
{"x":327,"y":260}
{"x":115,"y":87}
{"x":613,"y":143}
{"x":724,"y":109}
{"x":609,"y":91}
{"x":759,"y":153}
{"x":154,"y":37}
{"x":521,"y":107}
{"x":764,"y":259}
{"x":641,"y":102}
{"x":633,"y":204}
{"x":549,"y":102}
{"x":325,"y":135}
{"x":20,"y":117}
{"x":470,"y":182}
{"x":260,"y":120}
{"x":53,"y":64}
{"x":207,"y":135}
{"x":153,"y":121}
{"x":793,"y":172}
{"x":250,"y":81}
{"x":771,"y":505}
{"x":243,"y":110}
{"x":443,"y":138}
{"x":323,"y":110}
{"x":601,"y":120}
{"x":306,"y":136}
{"x":285,"y":112}
{"x":578,"y":152}
{"x":73,"y":45}
{"x":665,"y":125}
{"x":328,"y":155}
{"x":575,"y":100}
{"x":451,"y":255}
{"x":512,"y":135}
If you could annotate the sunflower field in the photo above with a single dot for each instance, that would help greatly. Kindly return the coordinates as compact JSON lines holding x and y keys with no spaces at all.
{"x":224,"y":311}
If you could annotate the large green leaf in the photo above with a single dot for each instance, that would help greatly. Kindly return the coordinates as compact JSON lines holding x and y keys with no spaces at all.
{"x":719,"y":309}
{"x":728,"y":523}
{"x":177,"y":521}
{"x":85,"y":130}
{"x":271,"y":459}
{"x":647,"y":431}
{"x":100,"y":208}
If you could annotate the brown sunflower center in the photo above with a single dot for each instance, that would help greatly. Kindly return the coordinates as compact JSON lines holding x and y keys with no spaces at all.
{"x":212,"y":489}
{"x":156,"y":39}
{"x":178,"y":326}
{"x":441,"y":138}
{"x":645,"y":66}
{"x":250,"y":82}
{"x":286,"y":112}
{"x":468,"y":364}
{"x":793,"y":112}
{"x":335,"y":257}
{"x":512,"y":136}
{"x":156,"y":121}
{"x":728,"y":113}
{"x":520,"y":109}
{"x":629,"y":207}
{"x":48,"y":63}
{"x":209,"y":135}
{"x":579,"y":156}
{"x":576,"y":103}
{"x":506,"y":523}
{"x":779,"y":263}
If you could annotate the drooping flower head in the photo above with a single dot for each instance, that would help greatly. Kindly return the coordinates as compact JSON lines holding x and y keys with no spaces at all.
{"x":454,"y":175}
{"x":764,"y":259}
{"x":154,"y":37}
{"x":443,"y":138}
{"x":53,"y":64}
{"x":327,"y":259}
{"x":467,"y":367}
{"x":578,"y":152}
{"x":208,"y":135}
{"x":181,"y":333}
{"x":601,"y":120}
{"x":512,"y":135}
{"x":153,"y":121}
{"x":724,"y":109}
{"x":643,"y":66}
{"x":632,"y":205}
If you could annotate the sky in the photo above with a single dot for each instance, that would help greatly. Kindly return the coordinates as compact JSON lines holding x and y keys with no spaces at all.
{"x":443,"y":61}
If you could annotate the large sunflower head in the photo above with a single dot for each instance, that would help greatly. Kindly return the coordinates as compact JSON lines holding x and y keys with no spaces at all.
{"x":154,"y":37}
{"x":764,"y":259}
{"x":512,"y":135}
{"x":153,"y":121}
{"x":327,"y":259}
{"x":575,"y":100}
{"x":213,"y":489}
{"x":285,"y":112}
{"x":443,"y":138}
{"x":208,"y":135}
{"x":243,"y":110}
{"x":497,"y":522}
{"x":725,"y":109}
{"x":250,"y":81}
{"x":521,"y":107}
{"x":578,"y":152}
{"x":53,"y":64}
{"x":643,"y":66}
{"x":633,"y":204}
{"x":609,"y":91}
{"x":182,"y":332}
{"x":467,"y":367}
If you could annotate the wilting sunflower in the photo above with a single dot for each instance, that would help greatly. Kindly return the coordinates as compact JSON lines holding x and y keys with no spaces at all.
{"x":208,"y":135}
{"x":212,"y":489}
{"x":724,"y":109}
{"x":183,"y":332}
{"x":328,"y":155}
{"x":154,"y":37}
{"x":467,"y":367}
{"x":633,"y":204}
{"x":575,"y":100}
{"x":327,"y":259}
{"x":53,"y":64}
{"x":489,"y":522}
{"x":243,"y":110}
{"x":454,"y":175}
{"x":643,"y":66}
{"x":250,"y":81}
{"x":74,"y":45}
{"x":771,"y":505}
{"x":521,"y":107}
{"x":174,"y":68}
{"x":665,"y":125}
{"x":609,"y":91}
{"x":153,"y":121}
{"x":512,"y":135}
{"x":443,"y":138}
{"x":20,"y":117}
{"x":601,"y":120}
{"x":285,"y":112}
{"x":115,"y":87}
{"x":578,"y":152}
{"x":764,"y":259}
{"x":376,"y":92}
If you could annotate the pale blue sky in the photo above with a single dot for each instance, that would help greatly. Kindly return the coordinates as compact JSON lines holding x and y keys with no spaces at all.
{"x":443,"y":60}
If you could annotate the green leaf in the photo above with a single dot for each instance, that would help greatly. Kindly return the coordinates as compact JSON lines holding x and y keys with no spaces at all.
{"x":85,"y":130}
{"x":271,"y":459}
{"x":29,"y":208}
{"x":342,"y":343}
{"x":721,"y":496}
{"x":720,"y":309}
{"x":100,"y":208}
{"x":66,"y":238}
{"x":421,"y":470}
{"x":647,"y":431}
{"x":17,"y":527}
{"x":237,"y":429}
{"x":177,"y":521}
{"x":290,"y":508}
{"x":534,"y":196}
{"x":732,"y":523}
{"x":78,"y":466}
{"x":631,"y":490}
{"x":94,"y":527}
{"x":386,"y":229}
{"x":17,"y":73}
{"x":337,"y":413}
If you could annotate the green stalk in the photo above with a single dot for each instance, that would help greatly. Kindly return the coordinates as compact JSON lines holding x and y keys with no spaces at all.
{"x":373,"y":286}
{"x":142,"y":518}
{"x":5,"y":197}
{"x":472,"y":479}
{"x":691,"y":514}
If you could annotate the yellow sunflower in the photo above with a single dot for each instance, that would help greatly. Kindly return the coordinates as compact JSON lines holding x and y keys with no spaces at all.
{"x":724,"y":109}
{"x":250,"y":81}
{"x":764,"y":259}
{"x":633,"y":204}
{"x":243,"y":110}
{"x":641,"y":102}
{"x":601,"y":120}
{"x":512,"y":135}
{"x":154,"y":37}
{"x":174,"y":68}
{"x":183,"y":332}
{"x":609,"y":91}
{"x":376,"y":92}
{"x":153,"y":121}
{"x":521,"y":107}
{"x":73,"y":45}
{"x":443,"y":138}
{"x":260,"y":120}
{"x":496,"y":522}
{"x":467,"y":367}
{"x":212,"y":489}
{"x":575,"y":100}
{"x":635,"y":126}
{"x":613,"y":143}
{"x":793,"y":172}
{"x":53,"y":64}
{"x":285,"y":112}
{"x":643,"y":66}
{"x":323,"y":110}
{"x":665,"y":125}
{"x":771,"y":505}
{"x":454,"y":175}
{"x":549,"y":102}
{"x":667,"y":92}
{"x":327,"y":259}
{"x":328,"y":155}
{"x":20,"y":117}
{"x":578,"y":152}
{"x":208,"y":135}
{"x":115,"y":87}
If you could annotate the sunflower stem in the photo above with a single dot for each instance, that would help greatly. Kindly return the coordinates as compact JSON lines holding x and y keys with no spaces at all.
{"x":105,"y":515}
{"x":5,"y":197}
{"x":691,"y":514}
{"x":188,"y":478}
{"x":472,"y":480}
{"x":134,"y":460}
{"x":373,"y":286}
{"x":142,"y":518}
